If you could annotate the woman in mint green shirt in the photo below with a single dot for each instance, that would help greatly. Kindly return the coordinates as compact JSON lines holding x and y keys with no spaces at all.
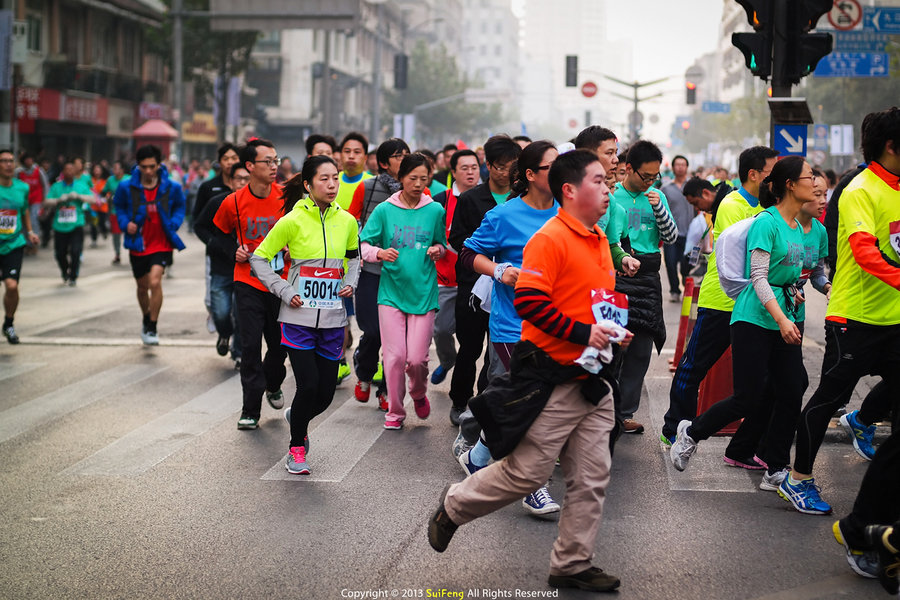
{"x":765,"y":339}
{"x":406,"y":234}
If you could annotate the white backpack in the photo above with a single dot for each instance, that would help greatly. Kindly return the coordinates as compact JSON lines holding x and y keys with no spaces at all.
{"x":731,"y":257}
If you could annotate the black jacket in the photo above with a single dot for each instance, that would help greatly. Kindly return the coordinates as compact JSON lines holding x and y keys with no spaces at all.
{"x":644,"y":293}
{"x":471,"y":206}
{"x":831,"y":218}
{"x":220,"y":247}
{"x":512,"y":401}
{"x":207,"y":190}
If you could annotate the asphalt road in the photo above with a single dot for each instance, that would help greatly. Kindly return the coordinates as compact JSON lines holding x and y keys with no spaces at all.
{"x":124,"y":476}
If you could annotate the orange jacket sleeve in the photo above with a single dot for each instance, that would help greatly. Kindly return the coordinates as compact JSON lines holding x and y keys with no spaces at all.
{"x":870,"y":259}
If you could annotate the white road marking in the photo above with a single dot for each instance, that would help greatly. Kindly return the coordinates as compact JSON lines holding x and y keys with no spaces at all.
{"x":150,"y":444}
{"x":8,"y":371}
{"x":110,"y":341}
{"x":28,"y":415}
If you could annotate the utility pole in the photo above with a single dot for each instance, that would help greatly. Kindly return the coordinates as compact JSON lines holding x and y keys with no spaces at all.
{"x":375,"y":129}
{"x":178,"y":71}
{"x":635,"y":119}
{"x":326,"y":86}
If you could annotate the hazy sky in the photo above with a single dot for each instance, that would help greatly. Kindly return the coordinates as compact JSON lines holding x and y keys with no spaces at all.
{"x":667,"y":35}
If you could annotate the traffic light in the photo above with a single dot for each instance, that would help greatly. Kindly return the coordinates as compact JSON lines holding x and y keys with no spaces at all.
{"x":401,"y":68}
{"x":803,"y":50}
{"x":571,"y":71}
{"x":691,"y":89}
{"x":757,"y":46}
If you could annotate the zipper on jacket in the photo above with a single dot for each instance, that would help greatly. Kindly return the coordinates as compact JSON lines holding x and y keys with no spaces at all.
{"x":324,"y":258}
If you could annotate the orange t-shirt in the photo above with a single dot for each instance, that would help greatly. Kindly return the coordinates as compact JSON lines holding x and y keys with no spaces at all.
{"x":251,"y":218}
{"x":566,"y":261}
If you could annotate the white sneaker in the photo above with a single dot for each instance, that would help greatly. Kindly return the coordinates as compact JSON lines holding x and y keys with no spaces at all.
{"x":771,"y":483}
{"x":683,"y":448}
{"x":150,"y":338}
{"x":210,"y":324}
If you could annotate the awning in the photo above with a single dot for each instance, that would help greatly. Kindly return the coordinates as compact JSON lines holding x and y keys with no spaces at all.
{"x":156,"y":129}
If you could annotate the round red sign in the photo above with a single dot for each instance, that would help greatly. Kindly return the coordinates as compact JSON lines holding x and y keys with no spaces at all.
{"x":589,"y":89}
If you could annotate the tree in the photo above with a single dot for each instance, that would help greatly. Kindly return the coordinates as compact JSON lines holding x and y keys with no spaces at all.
{"x":226,"y":53}
{"x":434,"y":75}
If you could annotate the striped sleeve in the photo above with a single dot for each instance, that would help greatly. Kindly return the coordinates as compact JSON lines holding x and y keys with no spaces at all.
{"x":668,"y":231}
{"x":536,"y":307}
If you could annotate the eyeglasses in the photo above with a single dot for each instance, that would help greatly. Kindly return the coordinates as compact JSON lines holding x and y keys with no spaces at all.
{"x":272,"y":162}
{"x":810,"y":177}
{"x":648,"y":178}
{"x":399,"y":155}
{"x":501,"y":170}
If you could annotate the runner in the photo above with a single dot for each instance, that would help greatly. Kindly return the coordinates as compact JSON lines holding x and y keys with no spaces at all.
{"x":649,"y":224}
{"x":366,"y":198}
{"x":862,"y":324}
{"x":406,"y":234}
{"x":249,"y":214}
{"x":495,"y":249}
{"x":100,"y":207}
{"x":69,"y":197}
{"x":562,"y":263}
{"x":765,"y":339}
{"x":221,"y":251}
{"x":38,"y":187}
{"x":15,"y":229}
{"x":150,"y":209}
{"x":312,"y":314}
{"x":109,"y":191}
{"x":464,"y":171}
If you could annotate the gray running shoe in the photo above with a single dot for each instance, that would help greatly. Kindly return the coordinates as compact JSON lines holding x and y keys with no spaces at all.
{"x":275,"y":399}
{"x":683,"y":448}
{"x":771,"y":483}
{"x":10,"y":334}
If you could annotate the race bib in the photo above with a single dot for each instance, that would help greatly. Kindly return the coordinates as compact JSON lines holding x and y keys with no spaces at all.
{"x":318,"y":287}
{"x":9,"y":219}
{"x":67,"y":214}
{"x":609,"y":306}
{"x":895,"y":236}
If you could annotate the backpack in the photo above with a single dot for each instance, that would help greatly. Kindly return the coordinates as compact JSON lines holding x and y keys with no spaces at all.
{"x":731,"y":257}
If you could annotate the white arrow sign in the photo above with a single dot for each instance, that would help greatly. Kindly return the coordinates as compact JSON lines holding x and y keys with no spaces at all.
{"x":794,"y":145}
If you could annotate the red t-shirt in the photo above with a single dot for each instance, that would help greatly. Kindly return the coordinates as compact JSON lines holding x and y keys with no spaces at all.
{"x":152,"y":231}
{"x":252,"y":218}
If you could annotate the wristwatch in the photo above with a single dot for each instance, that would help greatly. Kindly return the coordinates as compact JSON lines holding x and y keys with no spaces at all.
{"x":499,"y":269}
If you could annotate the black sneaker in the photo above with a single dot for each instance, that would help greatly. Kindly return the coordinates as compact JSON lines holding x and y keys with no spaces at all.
{"x":592,"y":579}
{"x":440,"y":527}
{"x":454,"y":414}
{"x":222,"y":345}
{"x":888,"y":556}
{"x":10,"y":334}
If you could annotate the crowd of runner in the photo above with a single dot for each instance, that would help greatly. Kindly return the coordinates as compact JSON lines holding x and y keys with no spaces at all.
{"x":544,"y":262}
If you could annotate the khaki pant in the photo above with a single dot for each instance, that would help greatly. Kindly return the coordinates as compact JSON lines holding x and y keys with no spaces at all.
{"x":577,"y":432}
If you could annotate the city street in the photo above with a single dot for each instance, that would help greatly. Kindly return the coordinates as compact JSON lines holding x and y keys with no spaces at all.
{"x":124,"y":476}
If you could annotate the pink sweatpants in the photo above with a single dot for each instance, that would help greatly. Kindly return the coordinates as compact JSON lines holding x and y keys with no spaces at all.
{"x":405,"y":340}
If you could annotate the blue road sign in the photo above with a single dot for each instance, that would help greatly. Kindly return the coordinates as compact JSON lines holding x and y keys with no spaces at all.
{"x":854,"y":64}
{"x":860,"y":41}
{"x":790,"y":140}
{"x":716,"y":107}
{"x":820,"y":138}
{"x":885,"y":19}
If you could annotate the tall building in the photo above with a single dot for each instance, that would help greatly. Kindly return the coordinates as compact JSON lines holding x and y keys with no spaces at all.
{"x":490,"y":52}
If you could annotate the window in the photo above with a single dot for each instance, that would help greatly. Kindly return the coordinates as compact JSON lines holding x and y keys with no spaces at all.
{"x":35,"y":26}
{"x":498,"y":51}
{"x":498,"y":29}
{"x":103,"y":37}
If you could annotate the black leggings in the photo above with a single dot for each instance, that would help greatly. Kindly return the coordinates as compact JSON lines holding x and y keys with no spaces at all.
{"x":316,"y":379}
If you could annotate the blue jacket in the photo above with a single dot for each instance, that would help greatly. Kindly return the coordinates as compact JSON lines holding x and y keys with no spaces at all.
{"x":131,"y":208}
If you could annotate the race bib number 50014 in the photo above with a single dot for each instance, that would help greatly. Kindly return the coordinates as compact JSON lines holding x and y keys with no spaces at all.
{"x":319,"y":287}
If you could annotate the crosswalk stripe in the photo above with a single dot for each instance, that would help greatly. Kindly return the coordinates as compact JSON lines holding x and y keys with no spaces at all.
{"x":24,"y":417}
{"x":338,"y":443}
{"x":150,"y":444}
{"x":9,"y":371}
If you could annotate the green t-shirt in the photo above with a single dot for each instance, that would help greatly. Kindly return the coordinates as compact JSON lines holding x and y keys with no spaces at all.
{"x":641,"y":230}
{"x":815,"y":248}
{"x":733,"y":208}
{"x":614,"y":223}
{"x":785,"y":247}
{"x":436,"y":187}
{"x":500,"y":198}
{"x":409,"y":284}
{"x":112,"y":184}
{"x":13,"y":204}
{"x":70,"y":208}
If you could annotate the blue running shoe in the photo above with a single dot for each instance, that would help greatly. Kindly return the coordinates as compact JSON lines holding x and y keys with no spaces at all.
{"x":468,"y":466}
{"x":804,"y":495}
{"x":860,"y":434}
{"x":439,"y":375}
{"x":540,"y":503}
